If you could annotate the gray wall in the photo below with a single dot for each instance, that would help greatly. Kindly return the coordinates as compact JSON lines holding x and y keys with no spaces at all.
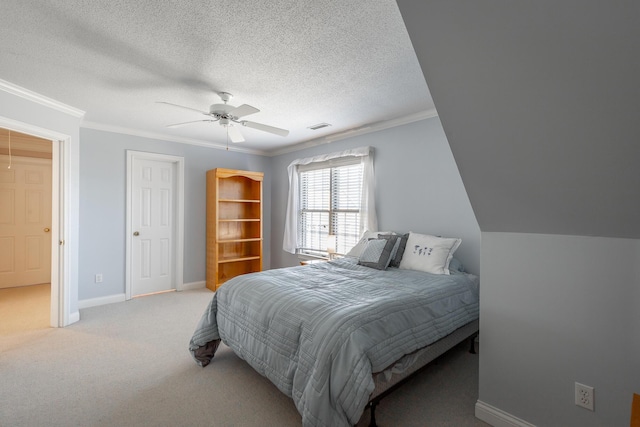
{"x":418,"y":188}
{"x":103,"y":204}
{"x":555,"y":310}
{"x":539,"y":101}
{"x":539,"y":104}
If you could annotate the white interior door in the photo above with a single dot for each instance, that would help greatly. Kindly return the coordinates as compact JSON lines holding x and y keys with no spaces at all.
{"x":25,"y":222}
{"x":153,"y":209}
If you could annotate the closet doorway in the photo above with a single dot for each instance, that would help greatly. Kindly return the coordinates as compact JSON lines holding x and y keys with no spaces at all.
{"x":25,"y":232}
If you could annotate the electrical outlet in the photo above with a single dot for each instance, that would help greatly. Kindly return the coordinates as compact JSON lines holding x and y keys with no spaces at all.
{"x":99,"y":278}
{"x":585,"y":396}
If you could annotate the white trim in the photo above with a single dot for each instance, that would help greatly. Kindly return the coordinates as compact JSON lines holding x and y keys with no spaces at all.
{"x":170,"y":138}
{"x":40,"y":99}
{"x":497,"y":417}
{"x":179,"y":218}
{"x":60,"y":253}
{"x":194,"y":285}
{"x":374,"y":127}
{"x":94,"y":302}
{"x":327,"y":139}
{"x":74,"y":317}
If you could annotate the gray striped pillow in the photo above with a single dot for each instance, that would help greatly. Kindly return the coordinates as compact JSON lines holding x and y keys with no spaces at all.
{"x":377,"y":253}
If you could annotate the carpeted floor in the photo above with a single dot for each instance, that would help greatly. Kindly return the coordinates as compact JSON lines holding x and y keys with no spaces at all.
{"x":127,"y":364}
{"x":25,"y":308}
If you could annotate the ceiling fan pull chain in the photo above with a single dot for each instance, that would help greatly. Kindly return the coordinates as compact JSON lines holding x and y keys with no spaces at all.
{"x":10,"y":157}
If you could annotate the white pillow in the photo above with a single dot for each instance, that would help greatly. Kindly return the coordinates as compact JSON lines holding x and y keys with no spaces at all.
{"x":428,"y":253}
{"x":356,"y":251}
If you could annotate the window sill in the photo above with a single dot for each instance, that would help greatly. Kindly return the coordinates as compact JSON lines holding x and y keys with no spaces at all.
{"x":305,"y":257}
{"x":313,"y":261}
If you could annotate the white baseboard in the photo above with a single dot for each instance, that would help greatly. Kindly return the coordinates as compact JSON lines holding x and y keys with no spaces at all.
{"x":110,"y":299}
{"x":498,"y":418}
{"x":193,"y":285}
{"x":93,"y":302}
{"x":73,"y":317}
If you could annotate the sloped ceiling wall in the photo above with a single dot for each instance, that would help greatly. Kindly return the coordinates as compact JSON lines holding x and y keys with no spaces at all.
{"x":540,"y":102}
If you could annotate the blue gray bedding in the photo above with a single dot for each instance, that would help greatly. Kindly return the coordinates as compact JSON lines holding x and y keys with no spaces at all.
{"x":318,"y":332}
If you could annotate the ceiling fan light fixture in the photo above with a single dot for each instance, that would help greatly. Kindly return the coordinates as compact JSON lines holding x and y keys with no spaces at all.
{"x":220,"y":109}
{"x":227,"y":115}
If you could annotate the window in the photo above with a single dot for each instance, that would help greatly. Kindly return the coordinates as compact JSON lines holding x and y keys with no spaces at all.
{"x":330,"y":195}
{"x":330,"y":198}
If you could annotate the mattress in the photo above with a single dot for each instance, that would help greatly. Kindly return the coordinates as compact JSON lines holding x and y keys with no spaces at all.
{"x":413,"y":362}
{"x":319,"y":332}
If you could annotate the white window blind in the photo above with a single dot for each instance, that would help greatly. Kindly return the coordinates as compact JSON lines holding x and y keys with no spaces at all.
{"x":330,"y":201}
{"x":330,"y":193}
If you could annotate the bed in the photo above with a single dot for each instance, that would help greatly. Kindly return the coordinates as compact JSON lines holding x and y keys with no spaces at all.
{"x":336,"y":336}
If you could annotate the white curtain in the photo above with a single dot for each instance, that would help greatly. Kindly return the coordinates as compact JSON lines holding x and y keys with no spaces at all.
{"x":368,"y":218}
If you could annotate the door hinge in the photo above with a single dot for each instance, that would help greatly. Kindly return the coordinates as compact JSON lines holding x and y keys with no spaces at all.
{"x":61,"y":242}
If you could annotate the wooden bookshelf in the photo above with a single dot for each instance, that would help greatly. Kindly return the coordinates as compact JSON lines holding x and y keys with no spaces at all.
{"x":234,"y":224}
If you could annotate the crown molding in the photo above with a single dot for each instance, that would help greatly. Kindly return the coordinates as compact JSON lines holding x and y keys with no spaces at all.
{"x":362,"y":130}
{"x":169,"y":138}
{"x":40,"y":99}
{"x":327,"y":139}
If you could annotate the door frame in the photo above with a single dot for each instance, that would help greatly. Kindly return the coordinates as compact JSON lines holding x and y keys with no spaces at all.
{"x":60,"y":244}
{"x":178,"y":245}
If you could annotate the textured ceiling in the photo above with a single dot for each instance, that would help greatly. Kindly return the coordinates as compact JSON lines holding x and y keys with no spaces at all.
{"x":301,"y":63}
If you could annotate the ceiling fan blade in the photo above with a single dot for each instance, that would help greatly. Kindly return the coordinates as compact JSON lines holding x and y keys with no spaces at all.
{"x":243,"y":110}
{"x":177,"y":125}
{"x":265,"y":128}
{"x":234,"y":134}
{"x":182,"y":106}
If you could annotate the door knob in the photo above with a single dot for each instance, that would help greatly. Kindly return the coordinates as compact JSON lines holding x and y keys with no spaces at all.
{"x":135,"y":233}
{"x":46,"y":230}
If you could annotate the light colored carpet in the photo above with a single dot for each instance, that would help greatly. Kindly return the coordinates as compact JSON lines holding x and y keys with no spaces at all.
{"x":25,"y":308}
{"x":127,"y":364}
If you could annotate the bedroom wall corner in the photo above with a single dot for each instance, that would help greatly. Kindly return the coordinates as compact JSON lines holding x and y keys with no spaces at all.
{"x":556,"y":310}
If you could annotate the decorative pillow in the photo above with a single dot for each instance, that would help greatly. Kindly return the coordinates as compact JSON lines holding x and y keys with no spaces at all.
{"x":428,"y":253}
{"x":377,"y":253}
{"x":359,"y":247}
{"x":398,"y":250}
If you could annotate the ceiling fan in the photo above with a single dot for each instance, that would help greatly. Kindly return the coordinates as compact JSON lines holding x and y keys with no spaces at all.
{"x":228,"y":115}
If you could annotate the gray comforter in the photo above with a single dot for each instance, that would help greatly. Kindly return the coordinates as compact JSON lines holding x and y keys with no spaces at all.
{"x":318,"y":332}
